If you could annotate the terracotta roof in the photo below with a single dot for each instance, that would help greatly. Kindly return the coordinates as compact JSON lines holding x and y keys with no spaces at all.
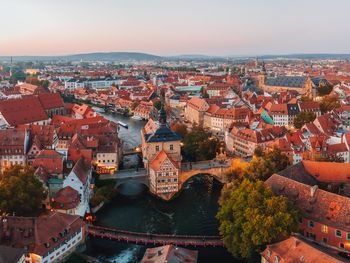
{"x":51,"y":100}
{"x":309,"y":105}
{"x":279,"y":109}
{"x":66,"y":198}
{"x":12,"y":141}
{"x":50,"y":160}
{"x":294,"y":249}
{"x":158,"y":161}
{"x":22,"y":111}
{"x":169,"y":253}
{"x":196,"y":103}
{"x":328,"y":172}
{"x":82,"y":169}
{"x":316,"y":204}
{"x":41,"y":234}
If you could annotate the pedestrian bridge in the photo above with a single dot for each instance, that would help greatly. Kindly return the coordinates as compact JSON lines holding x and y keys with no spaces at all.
{"x":154,"y":239}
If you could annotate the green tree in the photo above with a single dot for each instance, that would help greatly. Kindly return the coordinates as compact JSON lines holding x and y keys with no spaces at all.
{"x":302,"y":118}
{"x":199,"y":145}
{"x":157,"y":104}
{"x":250,"y":217}
{"x":21,"y":192}
{"x":329,"y":103}
{"x":261,"y":168}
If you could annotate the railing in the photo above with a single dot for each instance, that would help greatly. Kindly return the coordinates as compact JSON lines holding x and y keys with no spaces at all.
{"x":148,"y":238}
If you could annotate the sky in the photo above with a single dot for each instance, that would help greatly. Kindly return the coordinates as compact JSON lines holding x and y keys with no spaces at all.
{"x":174,"y":27}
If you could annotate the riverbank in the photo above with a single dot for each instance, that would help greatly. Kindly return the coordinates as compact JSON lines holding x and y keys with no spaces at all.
{"x":134,"y":209}
{"x":193,"y":212}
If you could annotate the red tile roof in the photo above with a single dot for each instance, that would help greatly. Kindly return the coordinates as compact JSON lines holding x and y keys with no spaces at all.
{"x":294,"y":250}
{"x":328,"y":172}
{"x":22,"y":111}
{"x":51,"y":100}
{"x":41,"y":234}
{"x":315,"y":204}
{"x":158,"y":161}
{"x":50,"y":160}
{"x":66,"y":198}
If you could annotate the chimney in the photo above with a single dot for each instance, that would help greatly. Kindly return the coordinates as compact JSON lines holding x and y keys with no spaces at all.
{"x":313,"y":190}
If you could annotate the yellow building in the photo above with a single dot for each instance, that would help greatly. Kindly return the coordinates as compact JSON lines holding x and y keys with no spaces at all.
{"x":301,"y":84}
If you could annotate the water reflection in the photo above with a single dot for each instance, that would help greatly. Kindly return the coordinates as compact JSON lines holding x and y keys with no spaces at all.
{"x":134,"y":209}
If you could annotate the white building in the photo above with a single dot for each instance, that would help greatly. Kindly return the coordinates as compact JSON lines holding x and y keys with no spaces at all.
{"x":79,"y":179}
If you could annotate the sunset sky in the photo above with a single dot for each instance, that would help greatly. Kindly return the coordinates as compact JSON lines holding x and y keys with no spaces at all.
{"x":172,"y":27}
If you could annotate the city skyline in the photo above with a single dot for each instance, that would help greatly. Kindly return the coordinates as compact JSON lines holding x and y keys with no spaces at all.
{"x":165,"y":28}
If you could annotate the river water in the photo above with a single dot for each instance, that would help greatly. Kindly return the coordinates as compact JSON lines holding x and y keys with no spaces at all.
{"x":133,"y":209}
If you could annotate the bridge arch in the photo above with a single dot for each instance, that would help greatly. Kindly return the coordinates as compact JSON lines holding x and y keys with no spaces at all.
{"x":217,"y":173}
{"x":139,"y":180}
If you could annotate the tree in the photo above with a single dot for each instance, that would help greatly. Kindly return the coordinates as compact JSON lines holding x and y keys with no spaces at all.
{"x":157,"y":104}
{"x":199,"y":145}
{"x":302,"y":118}
{"x":237,"y":170}
{"x":324,"y":88}
{"x":250,"y":217}
{"x":21,"y":192}
{"x":261,"y":168}
{"x":259,"y":152}
{"x":329,"y":103}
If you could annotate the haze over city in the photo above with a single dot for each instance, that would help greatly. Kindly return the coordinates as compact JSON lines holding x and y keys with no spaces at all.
{"x":189,"y":131}
{"x":224,"y":27}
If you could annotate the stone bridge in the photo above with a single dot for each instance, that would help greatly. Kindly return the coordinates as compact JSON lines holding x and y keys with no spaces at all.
{"x":218,"y":173}
{"x":217,"y":169}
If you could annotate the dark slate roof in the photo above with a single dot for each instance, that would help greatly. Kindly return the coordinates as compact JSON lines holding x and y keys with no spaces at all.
{"x":286,"y":81}
{"x":162,"y":134}
{"x":10,"y":254}
{"x":293,"y":109}
{"x":297,"y":172}
{"x":318,"y":80}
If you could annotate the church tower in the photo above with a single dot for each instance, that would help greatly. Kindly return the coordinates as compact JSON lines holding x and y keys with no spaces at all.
{"x":262,"y":76}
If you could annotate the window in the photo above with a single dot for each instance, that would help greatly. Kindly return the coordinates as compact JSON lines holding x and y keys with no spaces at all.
{"x":277,"y":259}
{"x":324,"y":229}
{"x":311,"y":224}
{"x":348,"y":236}
{"x":341,"y":245}
{"x":338,"y":233}
{"x":157,"y":148}
{"x":324,"y":240}
{"x":171,"y":147}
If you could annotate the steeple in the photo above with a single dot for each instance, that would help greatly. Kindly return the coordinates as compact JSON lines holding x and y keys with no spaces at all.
{"x":263,"y":69}
{"x":162,"y":116}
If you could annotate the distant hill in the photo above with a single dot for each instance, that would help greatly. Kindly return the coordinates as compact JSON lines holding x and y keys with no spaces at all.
{"x":137,"y":56}
{"x":97,"y":56}
{"x":113,"y":56}
{"x":307,"y":56}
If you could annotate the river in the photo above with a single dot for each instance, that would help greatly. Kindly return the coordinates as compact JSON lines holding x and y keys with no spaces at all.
{"x":133,"y":209}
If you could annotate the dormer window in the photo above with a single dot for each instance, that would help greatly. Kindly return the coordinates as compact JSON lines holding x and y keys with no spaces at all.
{"x":269,"y":253}
{"x":277,"y":259}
